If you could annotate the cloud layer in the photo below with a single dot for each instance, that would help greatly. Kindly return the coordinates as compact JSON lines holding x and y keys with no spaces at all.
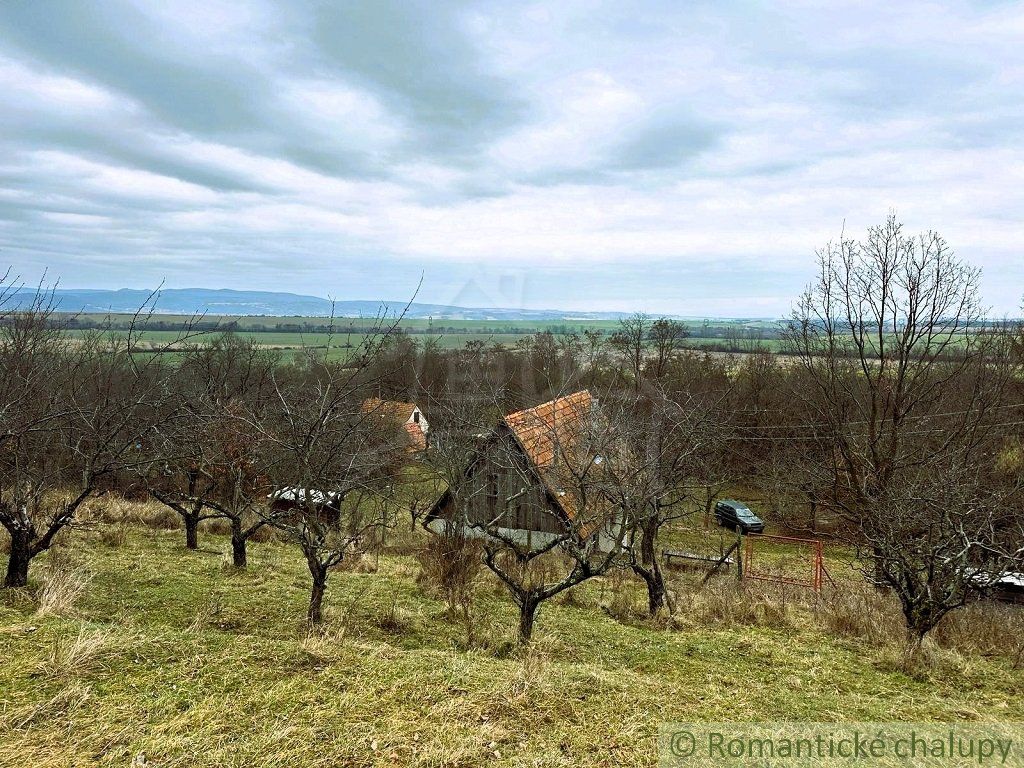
{"x":674,"y":157}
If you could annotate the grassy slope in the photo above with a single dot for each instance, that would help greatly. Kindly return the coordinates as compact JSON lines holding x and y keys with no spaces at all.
{"x":170,"y":655}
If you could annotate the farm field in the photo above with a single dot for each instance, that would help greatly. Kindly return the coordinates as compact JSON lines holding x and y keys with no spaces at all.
{"x":289,"y":333}
{"x":169,"y":655}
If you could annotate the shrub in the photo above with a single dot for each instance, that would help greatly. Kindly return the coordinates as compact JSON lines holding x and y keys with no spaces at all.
{"x":449,"y":567}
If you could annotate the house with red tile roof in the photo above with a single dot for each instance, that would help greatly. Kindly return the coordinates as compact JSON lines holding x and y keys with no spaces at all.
{"x":406,"y":416}
{"x":527,"y":480}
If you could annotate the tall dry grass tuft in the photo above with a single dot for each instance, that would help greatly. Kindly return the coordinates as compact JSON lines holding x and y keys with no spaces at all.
{"x":216,"y":527}
{"x":449,"y":568}
{"x":357,"y":562}
{"x":986,"y":628}
{"x":5,"y":541}
{"x":75,"y":654}
{"x":856,"y":609}
{"x":321,"y":642}
{"x":724,"y":603}
{"x":395,"y":620}
{"x":160,"y":518}
{"x":63,"y":586}
{"x":619,"y":597}
{"x":115,"y":535}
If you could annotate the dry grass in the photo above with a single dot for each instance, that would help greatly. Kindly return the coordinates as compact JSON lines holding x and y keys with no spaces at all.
{"x":860,"y":611}
{"x":984,"y":628}
{"x":160,"y":518}
{"x":725,"y":603}
{"x":450,"y":568}
{"x":5,"y":541}
{"x":63,"y":586}
{"x":76,"y":655}
{"x":114,"y":535}
{"x":395,"y":620}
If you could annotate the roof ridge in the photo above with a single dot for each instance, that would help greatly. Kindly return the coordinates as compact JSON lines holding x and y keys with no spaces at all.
{"x":553,"y":401}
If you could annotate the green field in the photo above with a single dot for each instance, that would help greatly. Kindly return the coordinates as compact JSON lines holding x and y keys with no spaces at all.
{"x":297,"y":333}
{"x":171,"y":655}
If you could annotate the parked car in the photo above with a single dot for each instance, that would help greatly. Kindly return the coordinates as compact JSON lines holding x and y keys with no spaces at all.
{"x":730,"y":514}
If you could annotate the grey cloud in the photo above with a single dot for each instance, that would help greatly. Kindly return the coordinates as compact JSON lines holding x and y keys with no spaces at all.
{"x":415,"y":57}
{"x":750,"y":102}
{"x":664,"y":141}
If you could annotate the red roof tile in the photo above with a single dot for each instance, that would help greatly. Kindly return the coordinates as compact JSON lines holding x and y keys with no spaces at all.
{"x":395,"y":409}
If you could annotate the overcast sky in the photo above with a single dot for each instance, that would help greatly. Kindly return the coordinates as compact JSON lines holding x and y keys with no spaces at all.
{"x":673,"y":157}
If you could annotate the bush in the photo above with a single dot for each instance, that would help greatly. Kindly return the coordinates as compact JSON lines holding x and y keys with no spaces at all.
{"x":449,"y":567}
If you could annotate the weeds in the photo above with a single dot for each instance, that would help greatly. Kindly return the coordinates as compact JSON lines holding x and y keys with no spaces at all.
{"x":395,"y":620}
{"x":77,"y":654}
{"x":449,"y":568}
{"x":61,"y":589}
{"x":860,"y":611}
{"x":984,"y":628}
{"x":114,"y":535}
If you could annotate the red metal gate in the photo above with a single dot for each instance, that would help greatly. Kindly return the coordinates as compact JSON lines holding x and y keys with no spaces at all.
{"x":805,"y":568}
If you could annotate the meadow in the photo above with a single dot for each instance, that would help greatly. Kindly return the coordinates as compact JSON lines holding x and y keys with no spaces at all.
{"x":127,"y":647}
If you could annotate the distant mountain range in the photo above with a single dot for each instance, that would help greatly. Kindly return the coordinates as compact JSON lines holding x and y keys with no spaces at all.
{"x":186,"y":301}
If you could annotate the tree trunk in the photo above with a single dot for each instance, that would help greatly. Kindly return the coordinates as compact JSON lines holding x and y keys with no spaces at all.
{"x":655,"y":593}
{"x":18,"y":560}
{"x":527,"y":613}
{"x":239,"y":556}
{"x":650,"y":571}
{"x":316,"y":596}
{"x":191,"y":531}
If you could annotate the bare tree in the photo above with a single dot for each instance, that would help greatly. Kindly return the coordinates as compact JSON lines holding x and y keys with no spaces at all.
{"x":902,"y":390}
{"x":535,"y":491}
{"x":76,"y":414}
{"x":334,"y":465}
{"x":210,"y":460}
{"x":666,"y":337}
{"x":676,"y":446}
{"x":630,"y":341}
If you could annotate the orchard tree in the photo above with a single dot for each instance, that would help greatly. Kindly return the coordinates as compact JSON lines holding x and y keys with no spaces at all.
{"x":76,"y":418}
{"x":666,"y":337}
{"x":905,"y":392}
{"x":210,"y":458}
{"x":334,"y":464}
